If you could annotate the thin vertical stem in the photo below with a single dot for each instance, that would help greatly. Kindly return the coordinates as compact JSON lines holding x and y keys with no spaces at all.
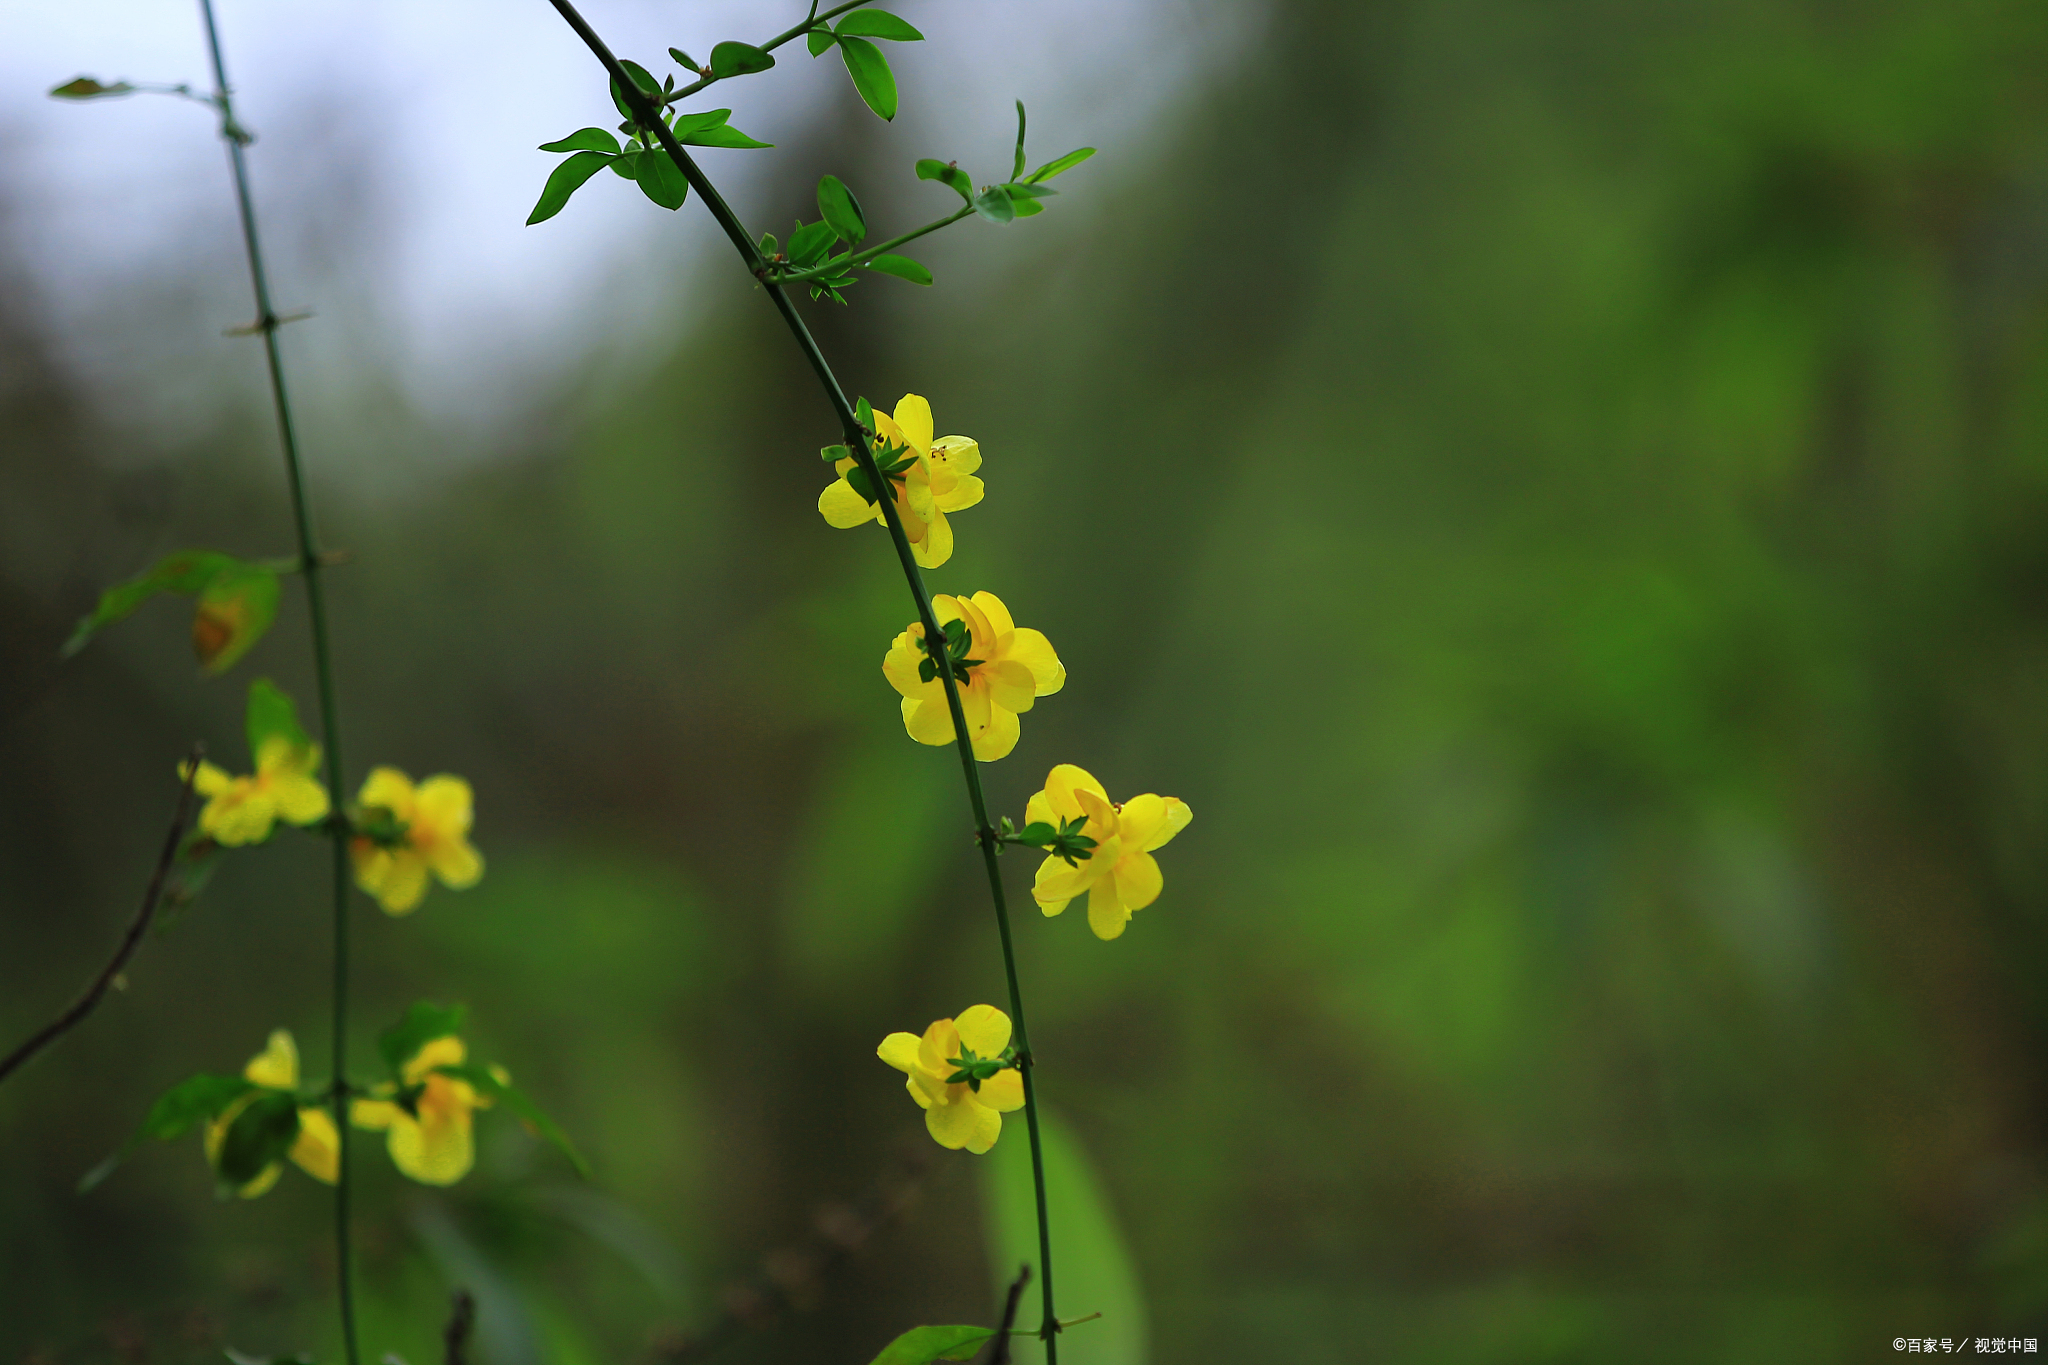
{"x":323,"y":667}
{"x":857,"y":441}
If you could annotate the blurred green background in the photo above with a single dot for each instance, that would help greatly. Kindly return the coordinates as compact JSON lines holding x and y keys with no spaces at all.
{"x":1561,"y":490}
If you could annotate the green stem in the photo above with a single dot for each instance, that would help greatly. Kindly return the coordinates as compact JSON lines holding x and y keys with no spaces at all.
{"x":310,"y":564}
{"x":858,"y":442}
{"x":777,"y":41}
{"x":832,"y":267}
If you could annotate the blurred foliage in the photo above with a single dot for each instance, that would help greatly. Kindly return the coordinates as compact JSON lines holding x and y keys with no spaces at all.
{"x":1573,"y":517}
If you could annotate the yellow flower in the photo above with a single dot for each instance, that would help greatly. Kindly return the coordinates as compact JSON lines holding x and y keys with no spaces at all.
{"x":432,"y":1143}
{"x":1001,"y":669}
{"x":241,"y":810}
{"x":317,"y":1151}
{"x":434,"y":820}
{"x":957,"y":1112}
{"x":1120,"y":874}
{"x":935,"y":477}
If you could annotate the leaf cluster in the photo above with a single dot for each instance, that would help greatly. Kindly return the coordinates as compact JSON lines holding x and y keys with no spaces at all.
{"x":1064,"y":841}
{"x":235,"y":602}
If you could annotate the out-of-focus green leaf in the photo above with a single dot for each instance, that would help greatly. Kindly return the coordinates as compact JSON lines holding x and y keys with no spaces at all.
{"x":86,"y":88}
{"x":1017,"y":169}
{"x":923,"y":1345}
{"x":270,"y":712}
{"x":871,"y":75}
{"x":877,"y":23}
{"x":1096,"y":1272}
{"x":661,"y":179}
{"x":488,"y":1082}
{"x":643,"y":78}
{"x":194,"y":1100}
{"x":902,"y":267}
{"x":186,"y":573}
{"x":566,"y":179}
{"x":947,"y":174}
{"x":818,"y":40}
{"x":1058,"y":164}
{"x":235,"y":609}
{"x":994,"y":204}
{"x":422,"y":1024}
{"x":839,"y":208}
{"x":739,"y":59}
{"x":1024,"y":189}
{"x":259,"y":1136}
{"x":685,"y":60}
{"x":585,"y":140}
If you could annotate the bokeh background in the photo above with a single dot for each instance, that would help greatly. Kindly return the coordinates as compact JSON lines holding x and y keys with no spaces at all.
{"x":1562,"y":490}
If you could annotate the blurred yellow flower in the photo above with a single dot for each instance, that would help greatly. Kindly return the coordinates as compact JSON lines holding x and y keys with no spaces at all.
{"x":429,"y":1120}
{"x":962,"y":1108}
{"x":1120,"y":874}
{"x":242,"y":810}
{"x":317,"y":1151}
{"x":1000,"y":669}
{"x":428,"y":830}
{"x":929,"y":478}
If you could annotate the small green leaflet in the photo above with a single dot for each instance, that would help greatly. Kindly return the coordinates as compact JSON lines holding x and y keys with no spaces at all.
{"x":809,"y":243}
{"x":626,"y":166}
{"x":902,"y":267}
{"x":1065,"y":163}
{"x":1018,"y":169}
{"x":185,"y":573}
{"x":86,"y":88}
{"x":565,"y":180}
{"x":234,"y":610}
{"x":195,"y":1100}
{"x":271,"y":712}
{"x":947,"y":174}
{"x":839,"y":208}
{"x":260,"y":1136}
{"x":876,"y":23}
{"x":739,"y":59}
{"x":709,"y":130}
{"x":923,"y":1345}
{"x":818,"y":39}
{"x":642,"y":78}
{"x":516,"y":1100}
{"x":871,"y":75}
{"x":685,"y":60}
{"x":585,"y":140}
{"x":661,"y":179}
{"x":423,"y":1023}
{"x":995,"y":205}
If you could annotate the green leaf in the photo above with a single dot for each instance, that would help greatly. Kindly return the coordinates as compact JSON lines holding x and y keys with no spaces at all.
{"x":566,"y":179}
{"x":194,"y":1100}
{"x":1024,"y":189}
{"x":923,"y":1345}
{"x":902,"y":267}
{"x":185,"y":573}
{"x":841,"y":210}
{"x":661,"y":179}
{"x":857,"y":479}
{"x":235,"y":608}
{"x":877,"y":23}
{"x":710,"y":130}
{"x":86,"y":88}
{"x":834,"y":454}
{"x":1037,"y":832}
{"x":642,"y":78}
{"x":951,"y":176}
{"x":1055,"y":166}
{"x":584,"y":140}
{"x":871,"y":75}
{"x":513,"y":1098}
{"x":259,"y":1137}
{"x":739,"y":59}
{"x":865,"y":415}
{"x":271,"y":713}
{"x":423,"y":1023}
{"x":1027,"y":207}
{"x":685,"y":60}
{"x":818,"y":40}
{"x":994,"y":204}
{"x":1018,"y":169}
{"x":809,"y":243}
{"x":1094,"y":1262}
{"x":627,"y":165}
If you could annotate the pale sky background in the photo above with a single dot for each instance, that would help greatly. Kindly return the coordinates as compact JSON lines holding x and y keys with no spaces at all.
{"x":396,"y":165}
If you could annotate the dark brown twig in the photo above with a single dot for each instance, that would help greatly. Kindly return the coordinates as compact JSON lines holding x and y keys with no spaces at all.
{"x":455,"y":1336}
{"x":999,"y":1345}
{"x":85,"y":1004}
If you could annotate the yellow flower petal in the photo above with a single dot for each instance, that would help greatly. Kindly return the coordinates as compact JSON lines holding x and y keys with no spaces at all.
{"x":444,"y":1051}
{"x":900,"y":665}
{"x":1058,"y":883}
{"x":914,"y":422}
{"x":1039,"y":810}
{"x":918,"y":1084}
{"x":984,"y":1028}
{"x":995,"y":614}
{"x":277,"y":1066}
{"x":243,"y":814}
{"x":1003,"y":1092}
{"x":957,"y":453}
{"x":1031,"y":649}
{"x":937,"y":546}
{"x":376,"y":1115}
{"x":1010,"y":685}
{"x":300,"y":799}
{"x":929,"y":721}
{"x":444,"y":805}
{"x":318,"y":1149}
{"x":959,"y":494}
{"x":998,"y":737}
{"x":1102,"y":819}
{"x":388,"y":787}
{"x":900,"y":1051}
{"x":439,"y":1152}
{"x":456,"y":863}
{"x":1138,"y":880}
{"x":263,"y":1181}
{"x":1061,"y":784}
{"x":209,"y":780}
{"x":1106,"y":914}
{"x":975,"y":703}
{"x":844,"y":508}
{"x":395,"y":878}
{"x":972,"y":1126}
